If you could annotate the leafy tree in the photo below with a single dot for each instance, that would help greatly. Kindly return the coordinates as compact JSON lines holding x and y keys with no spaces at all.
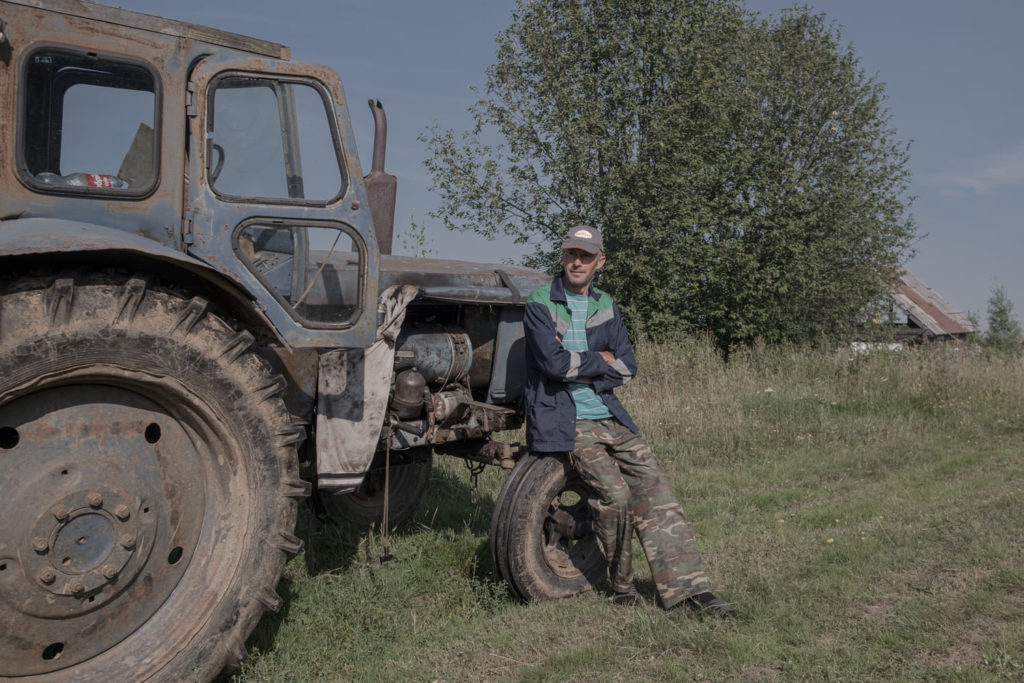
{"x":414,"y":240}
{"x":1004,"y":331}
{"x":742,"y":170}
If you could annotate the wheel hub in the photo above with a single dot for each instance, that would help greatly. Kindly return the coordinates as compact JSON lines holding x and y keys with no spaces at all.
{"x":570,"y":546}
{"x":83,"y":542}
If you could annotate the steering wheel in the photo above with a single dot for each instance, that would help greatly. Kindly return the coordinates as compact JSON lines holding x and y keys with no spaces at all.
{"x":215,"y":172}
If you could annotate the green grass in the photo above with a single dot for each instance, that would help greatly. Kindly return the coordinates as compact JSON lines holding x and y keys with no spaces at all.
{"x":865,"y":514}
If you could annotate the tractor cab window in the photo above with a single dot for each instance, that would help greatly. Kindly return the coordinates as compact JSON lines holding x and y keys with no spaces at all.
{"x":88,"y":124}
{"x":314,"y":270}
{"x":272,"y":140}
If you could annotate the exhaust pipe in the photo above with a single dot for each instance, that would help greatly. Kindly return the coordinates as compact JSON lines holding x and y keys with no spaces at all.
{"x":381,"y":188}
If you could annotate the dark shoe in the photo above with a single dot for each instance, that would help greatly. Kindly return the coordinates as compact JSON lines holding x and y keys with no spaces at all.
{"x":628,"y":598}
{"x":712,"y":604}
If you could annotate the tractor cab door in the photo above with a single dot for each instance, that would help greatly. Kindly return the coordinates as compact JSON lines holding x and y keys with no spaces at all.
{"x":275,"y":197}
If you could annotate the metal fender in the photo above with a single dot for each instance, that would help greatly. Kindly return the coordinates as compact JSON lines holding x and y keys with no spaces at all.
{"x":27,"y":236}
{"x":34,"y":237}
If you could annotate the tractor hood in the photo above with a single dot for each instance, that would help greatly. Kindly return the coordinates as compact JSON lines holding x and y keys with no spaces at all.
{"x":464,"y":281}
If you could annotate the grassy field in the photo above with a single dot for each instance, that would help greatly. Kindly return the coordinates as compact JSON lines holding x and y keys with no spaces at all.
{"x":865,"y":514}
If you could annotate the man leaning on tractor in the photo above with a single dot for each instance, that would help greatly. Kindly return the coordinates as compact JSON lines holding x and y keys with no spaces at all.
{"x":577,"y":353}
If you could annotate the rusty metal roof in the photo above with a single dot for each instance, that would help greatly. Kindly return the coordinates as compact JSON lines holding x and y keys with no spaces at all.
{"x":928,"y":310}
{"x":147,"y":22}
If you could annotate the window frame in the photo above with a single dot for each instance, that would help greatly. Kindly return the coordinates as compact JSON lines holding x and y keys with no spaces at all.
{"x":278,"y":222}
{"x":28,"y":178}
{"x":326,"y":100}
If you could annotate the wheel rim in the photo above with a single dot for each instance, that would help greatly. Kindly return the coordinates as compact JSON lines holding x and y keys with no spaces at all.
{"x":570,"y":548}
{"x":102,"y":514}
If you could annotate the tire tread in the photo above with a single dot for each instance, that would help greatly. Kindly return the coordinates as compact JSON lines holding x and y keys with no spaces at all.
{"x":42,"y":312}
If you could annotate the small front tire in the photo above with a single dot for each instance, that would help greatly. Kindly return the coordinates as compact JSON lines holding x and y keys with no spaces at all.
{"x":542,"y":539}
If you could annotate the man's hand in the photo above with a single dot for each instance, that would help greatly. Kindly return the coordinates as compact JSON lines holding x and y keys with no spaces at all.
{"x":608,"y":356}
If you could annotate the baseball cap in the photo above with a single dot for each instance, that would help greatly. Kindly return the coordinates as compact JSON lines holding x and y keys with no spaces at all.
{"x":584,"y":237}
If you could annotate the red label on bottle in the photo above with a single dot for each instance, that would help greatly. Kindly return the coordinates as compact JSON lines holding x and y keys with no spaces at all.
{"x":97,"y":180}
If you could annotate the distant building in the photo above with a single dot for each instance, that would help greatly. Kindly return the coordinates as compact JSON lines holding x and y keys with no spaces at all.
{"x":929,"y":316}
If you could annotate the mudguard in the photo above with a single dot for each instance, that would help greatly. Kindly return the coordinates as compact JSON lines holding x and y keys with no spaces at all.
{"x":26,"y":237}
{"x":354,"y":386}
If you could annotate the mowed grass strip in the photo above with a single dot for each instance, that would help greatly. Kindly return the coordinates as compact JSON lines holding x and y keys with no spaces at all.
{"x":864,"y":513}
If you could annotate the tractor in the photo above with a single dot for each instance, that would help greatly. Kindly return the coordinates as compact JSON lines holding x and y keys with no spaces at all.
{"x":201,"y":326}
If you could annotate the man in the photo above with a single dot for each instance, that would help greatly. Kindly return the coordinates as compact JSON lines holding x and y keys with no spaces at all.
{"x":577,"y":353}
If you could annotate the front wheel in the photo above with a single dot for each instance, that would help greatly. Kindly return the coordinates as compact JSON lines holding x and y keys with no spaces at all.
{"x":407,"y":481}
{"x":149,"y":481}
{"x":541,"y":536}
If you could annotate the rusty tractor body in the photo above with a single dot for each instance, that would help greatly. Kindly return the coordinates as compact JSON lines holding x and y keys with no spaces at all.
{"x":200,"y":326}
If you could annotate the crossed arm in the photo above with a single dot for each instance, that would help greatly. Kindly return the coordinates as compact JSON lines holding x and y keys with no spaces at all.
{"x":605,"y":369}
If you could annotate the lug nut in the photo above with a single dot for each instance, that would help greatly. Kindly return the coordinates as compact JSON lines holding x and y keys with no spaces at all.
{"x":109,"y":572}
{"x":122,"y":512}
{"x":40,"y":544}
{"x":77,"y":587}
{"x":60,"y":512}
{"x":46,"y":575}
{"x":94,"y":499}
{"x":127,"y":541}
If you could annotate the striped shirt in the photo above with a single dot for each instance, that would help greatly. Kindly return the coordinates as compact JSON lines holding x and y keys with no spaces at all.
{"x":589,"y":405}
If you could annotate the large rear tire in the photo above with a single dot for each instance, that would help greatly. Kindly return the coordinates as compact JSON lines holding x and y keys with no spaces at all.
{"x":149,"y":484}
{"x":541,"y":537}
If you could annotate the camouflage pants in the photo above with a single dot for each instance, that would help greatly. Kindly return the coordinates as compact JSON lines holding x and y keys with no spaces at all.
{"x":633,"y":492}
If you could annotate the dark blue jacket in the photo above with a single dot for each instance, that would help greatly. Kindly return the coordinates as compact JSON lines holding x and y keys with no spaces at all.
{"x":550,"y":409}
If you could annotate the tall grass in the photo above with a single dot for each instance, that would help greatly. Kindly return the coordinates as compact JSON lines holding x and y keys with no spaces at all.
{"x":864,"y":513}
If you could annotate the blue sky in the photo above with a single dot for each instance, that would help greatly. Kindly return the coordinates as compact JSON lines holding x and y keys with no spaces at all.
{"x":952,"y":72}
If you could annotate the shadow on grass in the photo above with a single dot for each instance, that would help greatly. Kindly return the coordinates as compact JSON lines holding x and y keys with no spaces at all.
{"x":332,"y":544}
{"x":263,"y":637}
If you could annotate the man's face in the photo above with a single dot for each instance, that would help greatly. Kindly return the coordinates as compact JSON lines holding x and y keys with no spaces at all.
{"x":580,"y":268}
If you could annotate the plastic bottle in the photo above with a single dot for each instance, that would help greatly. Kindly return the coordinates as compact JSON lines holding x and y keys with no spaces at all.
{"x":83,"y":180}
